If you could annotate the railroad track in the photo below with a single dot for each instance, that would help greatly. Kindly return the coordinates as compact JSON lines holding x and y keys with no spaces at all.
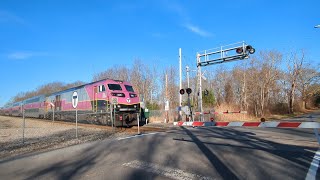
{"x":143,"y":129}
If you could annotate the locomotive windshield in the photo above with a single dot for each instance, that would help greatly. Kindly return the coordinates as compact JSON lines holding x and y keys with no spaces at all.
{"x":129,"y":88}
{"x":114,"y":87}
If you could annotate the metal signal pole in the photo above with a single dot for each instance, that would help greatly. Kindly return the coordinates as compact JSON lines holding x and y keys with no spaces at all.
{"x":188,"y":81}
{"x":200,"y":88}
{"x":167,"y":100}
{"x":77,"y":123}
{"x":180,"y":74}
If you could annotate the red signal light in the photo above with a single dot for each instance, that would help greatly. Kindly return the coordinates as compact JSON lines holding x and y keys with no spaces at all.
{"x":239,"y":50}
{"x":181,"y":91}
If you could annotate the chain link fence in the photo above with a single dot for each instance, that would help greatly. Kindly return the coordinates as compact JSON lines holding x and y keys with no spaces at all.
{"x":20,"y":134}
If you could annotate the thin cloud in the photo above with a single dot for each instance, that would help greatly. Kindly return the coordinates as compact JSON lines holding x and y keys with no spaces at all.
{"x":25,"y":55}
{"x":183,"y":15}
{"x":6,"y":16}
{"x":197,"y":30}
{"x":177,"y":9}
{"x":158,"y":35}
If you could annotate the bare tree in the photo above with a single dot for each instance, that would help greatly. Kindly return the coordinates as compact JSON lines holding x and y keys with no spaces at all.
{"x":269,"y":74}
{"x":308,"y":76}
{"x":45,"y":90}
{"x":295,"y":64}
{"x":240,"y":85}
{"x":115,"y":72}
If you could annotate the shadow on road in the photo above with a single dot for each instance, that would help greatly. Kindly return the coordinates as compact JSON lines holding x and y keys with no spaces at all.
{"x":221,"y":168}
{"x":299,"y":156}
{"x":77,"y":165}
{"x":218,"y":145}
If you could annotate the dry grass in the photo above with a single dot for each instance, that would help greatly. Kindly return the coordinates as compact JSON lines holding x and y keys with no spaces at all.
{"x":229,"y":117}
{"x":156,"y":119}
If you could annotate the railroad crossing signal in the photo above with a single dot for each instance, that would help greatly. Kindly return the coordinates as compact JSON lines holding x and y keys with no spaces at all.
{"x":231,"y":52}
{"x":188,"y":90}
{"x":181,"y":91}
{"x":188,"y":111}
{"x":248,"y":48}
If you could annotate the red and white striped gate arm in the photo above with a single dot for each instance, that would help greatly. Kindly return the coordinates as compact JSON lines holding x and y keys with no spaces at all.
{"x":193,"y":124}
{"x":226,"y":112}
{"x":272,"y":124}
{"x":230,"y":112}
{"x":269,"y":124}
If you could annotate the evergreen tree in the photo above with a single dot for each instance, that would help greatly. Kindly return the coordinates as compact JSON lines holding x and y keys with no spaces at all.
{"x":208,"y":98}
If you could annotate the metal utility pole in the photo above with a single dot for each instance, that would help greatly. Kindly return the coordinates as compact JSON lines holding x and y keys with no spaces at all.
{"x":188,"y":82}
{"x":167,"y":101}
{"x":166,"y":86}
{"x":180,"y":74}
{"x":24,"y":123}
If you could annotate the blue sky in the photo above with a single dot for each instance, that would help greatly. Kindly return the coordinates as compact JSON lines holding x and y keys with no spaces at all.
{"x":59,"y":40}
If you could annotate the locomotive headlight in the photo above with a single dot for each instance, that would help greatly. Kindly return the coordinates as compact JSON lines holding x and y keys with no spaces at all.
{"x":133,"y":95}
{"x":118,"y":94}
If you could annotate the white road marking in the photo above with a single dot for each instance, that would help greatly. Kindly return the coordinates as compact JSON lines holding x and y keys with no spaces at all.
{"x":164,"y":171}
{"x":140,"y":135}
{"x":312,"y":173}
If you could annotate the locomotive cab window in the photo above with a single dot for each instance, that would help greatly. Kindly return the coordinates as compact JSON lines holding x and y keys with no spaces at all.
{"x":114,"y":87}
{"x":102,"y":88}
{"x":129,"y":88}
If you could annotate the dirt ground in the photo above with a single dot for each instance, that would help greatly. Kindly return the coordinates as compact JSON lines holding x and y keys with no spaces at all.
{"x":43,"y":135}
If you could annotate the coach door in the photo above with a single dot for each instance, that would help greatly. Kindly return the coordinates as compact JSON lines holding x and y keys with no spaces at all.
{"x":95,"y":99}
{"x":57,"y":106}
{"x":46,"y":104}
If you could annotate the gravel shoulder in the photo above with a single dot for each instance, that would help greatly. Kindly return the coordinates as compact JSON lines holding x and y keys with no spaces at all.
{"x":44,"y":135}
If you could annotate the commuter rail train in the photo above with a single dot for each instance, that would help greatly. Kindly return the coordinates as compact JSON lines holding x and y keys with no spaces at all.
{"x":93,"y":105}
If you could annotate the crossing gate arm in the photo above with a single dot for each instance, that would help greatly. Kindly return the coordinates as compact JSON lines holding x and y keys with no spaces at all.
{"x":271,"y":124}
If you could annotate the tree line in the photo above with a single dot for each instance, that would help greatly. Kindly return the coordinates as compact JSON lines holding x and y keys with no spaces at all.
{"x":267,"y":83}
{"x":44,"y":90}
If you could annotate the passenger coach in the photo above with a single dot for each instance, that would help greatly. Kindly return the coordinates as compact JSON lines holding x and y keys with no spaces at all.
{"x":93,"y":105}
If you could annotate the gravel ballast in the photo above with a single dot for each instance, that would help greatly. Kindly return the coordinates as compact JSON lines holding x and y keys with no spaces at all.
{"x":43,"y":135}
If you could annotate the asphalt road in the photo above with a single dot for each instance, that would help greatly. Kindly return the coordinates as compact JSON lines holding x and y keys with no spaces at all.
{"x":314,"y":116}
{"x":186,"y":153}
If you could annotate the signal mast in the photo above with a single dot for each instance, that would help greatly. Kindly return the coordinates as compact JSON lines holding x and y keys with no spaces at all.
{"x":222,"y":54}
